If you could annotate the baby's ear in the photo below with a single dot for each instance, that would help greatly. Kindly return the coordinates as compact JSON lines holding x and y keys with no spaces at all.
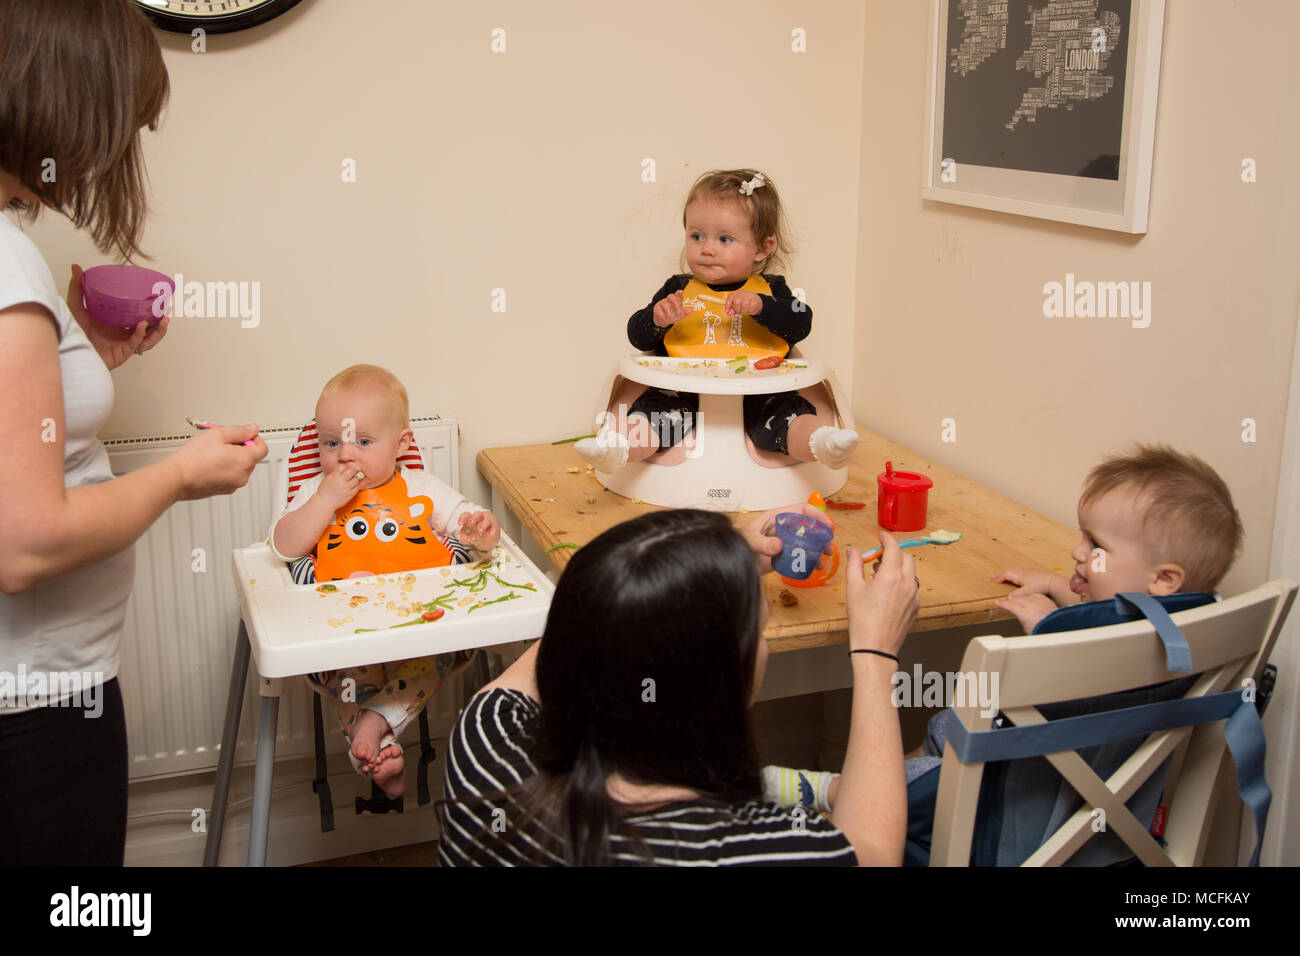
{"x":1169,"y":579}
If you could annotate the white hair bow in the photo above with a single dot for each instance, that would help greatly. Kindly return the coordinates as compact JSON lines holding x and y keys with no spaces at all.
{"x":747,"y":188}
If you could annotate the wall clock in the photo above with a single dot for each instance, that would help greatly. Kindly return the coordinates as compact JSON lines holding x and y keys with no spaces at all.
{"x":214,"y":16}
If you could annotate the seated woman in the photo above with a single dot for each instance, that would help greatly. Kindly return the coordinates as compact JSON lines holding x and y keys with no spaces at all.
{"x":624,"y":736}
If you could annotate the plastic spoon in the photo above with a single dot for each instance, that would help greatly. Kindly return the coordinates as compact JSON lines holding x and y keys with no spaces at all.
{"x":204,"y":426}
{"x":934,"y":537}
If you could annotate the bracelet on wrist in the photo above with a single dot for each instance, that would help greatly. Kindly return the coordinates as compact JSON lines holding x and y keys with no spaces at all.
{"x":864,"y":650}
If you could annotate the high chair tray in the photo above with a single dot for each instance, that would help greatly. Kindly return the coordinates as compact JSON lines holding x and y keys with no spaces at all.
{"x":718,"y":377}
{"x":303,"y":628}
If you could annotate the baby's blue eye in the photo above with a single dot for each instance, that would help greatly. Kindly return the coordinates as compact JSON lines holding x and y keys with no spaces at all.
{"x":331,"y":443}
{"x":726,"y":239}
{"x":364,"y":443}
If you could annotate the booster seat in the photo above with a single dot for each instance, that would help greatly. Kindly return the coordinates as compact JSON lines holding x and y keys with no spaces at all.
{"x":717,"y":466}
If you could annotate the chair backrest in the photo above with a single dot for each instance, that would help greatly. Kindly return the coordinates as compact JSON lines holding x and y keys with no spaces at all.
{"x":1229,"y":641}
{"x":304,"y":460}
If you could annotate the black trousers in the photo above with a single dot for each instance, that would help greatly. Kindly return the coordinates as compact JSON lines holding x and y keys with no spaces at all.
{"x":63,"y":784}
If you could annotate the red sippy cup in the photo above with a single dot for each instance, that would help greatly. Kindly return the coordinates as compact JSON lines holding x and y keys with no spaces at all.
{"x":902,"y":499}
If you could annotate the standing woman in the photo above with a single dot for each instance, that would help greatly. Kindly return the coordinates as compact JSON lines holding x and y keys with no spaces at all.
{"x":78,"y":80}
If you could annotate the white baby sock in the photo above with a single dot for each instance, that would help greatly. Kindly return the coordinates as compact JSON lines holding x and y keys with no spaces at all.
{"x":832,"y":446}
{"x":795,"y":788}
{"x":606,"y":452}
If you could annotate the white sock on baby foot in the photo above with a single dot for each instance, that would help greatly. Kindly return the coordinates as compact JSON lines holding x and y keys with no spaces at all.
{"x":832,"y":446}
{"x":793,"y":788}
{"x":606,"y":452}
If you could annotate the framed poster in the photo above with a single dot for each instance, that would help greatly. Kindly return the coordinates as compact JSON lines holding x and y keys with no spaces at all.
{"x":1044,"y":109}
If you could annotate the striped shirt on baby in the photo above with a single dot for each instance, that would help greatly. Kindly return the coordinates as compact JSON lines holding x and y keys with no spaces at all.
{"x":488,"y":752}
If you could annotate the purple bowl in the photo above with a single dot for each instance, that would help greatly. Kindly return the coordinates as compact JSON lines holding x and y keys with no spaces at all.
{"x":125,"y":296}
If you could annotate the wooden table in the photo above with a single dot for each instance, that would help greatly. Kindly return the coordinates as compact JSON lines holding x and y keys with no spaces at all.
{"x":557,"y":499}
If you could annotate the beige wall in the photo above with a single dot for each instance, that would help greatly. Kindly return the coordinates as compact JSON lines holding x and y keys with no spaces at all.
{"x":476,"y":171}
{"x":949,"y":318}
{"x":521,"y":171}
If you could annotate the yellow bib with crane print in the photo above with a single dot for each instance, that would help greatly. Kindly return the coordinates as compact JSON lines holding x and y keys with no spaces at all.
{"x":708,"y":332}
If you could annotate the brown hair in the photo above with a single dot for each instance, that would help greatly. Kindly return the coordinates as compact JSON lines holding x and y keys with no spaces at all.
{"x":1187,"y":515}
{"x":762,"y":206}
{"x":78,"y":79}
{"x":372,"y":376}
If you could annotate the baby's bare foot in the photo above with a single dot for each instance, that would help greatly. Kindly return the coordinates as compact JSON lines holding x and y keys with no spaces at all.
{"x":367,"y":728}
{"x":389,"y":771}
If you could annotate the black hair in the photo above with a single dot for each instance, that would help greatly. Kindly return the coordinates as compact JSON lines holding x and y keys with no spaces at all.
{"x":646,"y":668}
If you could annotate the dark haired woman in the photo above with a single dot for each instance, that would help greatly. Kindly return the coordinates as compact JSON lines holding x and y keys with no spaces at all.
{"x":623,"y":736}
{"x":78,"y":79}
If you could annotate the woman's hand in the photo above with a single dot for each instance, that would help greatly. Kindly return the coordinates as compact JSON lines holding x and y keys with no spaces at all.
{"x":480,"y":530}
{"x":216,"y":461}
{"x":761,"y":534}
{"x":113,"y":344}
{"x":881,"y":611}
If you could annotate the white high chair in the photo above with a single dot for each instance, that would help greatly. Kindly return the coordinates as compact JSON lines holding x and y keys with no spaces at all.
{"x":288,"y":631}
{"x":717,"y":467}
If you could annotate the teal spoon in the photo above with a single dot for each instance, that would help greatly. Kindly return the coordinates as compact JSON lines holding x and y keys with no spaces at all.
{"x":934,"y":537}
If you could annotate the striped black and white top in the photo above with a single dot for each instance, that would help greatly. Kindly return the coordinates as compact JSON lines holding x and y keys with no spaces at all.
{"x":488,"y":752}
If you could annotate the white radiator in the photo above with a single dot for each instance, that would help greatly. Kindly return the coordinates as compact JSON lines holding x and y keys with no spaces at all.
{"x":183,"y":617}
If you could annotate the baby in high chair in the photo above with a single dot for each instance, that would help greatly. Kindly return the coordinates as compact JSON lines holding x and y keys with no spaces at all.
{"x":1154,"y":521}
{"x":726,"y":307}
{"x":366,"y":514}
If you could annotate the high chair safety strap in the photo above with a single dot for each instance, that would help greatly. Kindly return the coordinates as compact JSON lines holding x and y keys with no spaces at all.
{"x":1178,"y":655}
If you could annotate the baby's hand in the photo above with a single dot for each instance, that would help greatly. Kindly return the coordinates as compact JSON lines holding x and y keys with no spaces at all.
{"x":669,"y":310}
{"x":480,"y":530}
{"x":1028,"y":608}
{"x":1026,"y":580}
{"x":340,"y":486}
{"x":743,"y":303}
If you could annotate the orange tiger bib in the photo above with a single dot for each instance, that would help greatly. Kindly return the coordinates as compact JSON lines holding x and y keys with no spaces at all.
{"x":380,"y":531}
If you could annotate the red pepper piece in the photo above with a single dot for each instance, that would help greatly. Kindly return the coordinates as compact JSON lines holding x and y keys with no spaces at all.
{"x":846,"y":505}
{"x":772,"y":361}
{"x":433,"y":615}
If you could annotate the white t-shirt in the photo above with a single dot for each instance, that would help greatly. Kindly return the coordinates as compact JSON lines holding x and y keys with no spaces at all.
{"x":448,"y":503}
{"x":73,"y":623}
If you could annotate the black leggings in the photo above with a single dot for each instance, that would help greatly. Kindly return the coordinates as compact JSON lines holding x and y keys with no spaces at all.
{"x":63,"y":785}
